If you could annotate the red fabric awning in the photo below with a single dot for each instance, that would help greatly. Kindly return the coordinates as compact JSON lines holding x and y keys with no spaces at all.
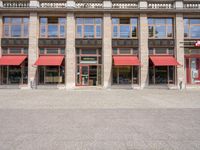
{"x":12,"y":60}
{"x":164,"y":61}
{"x":49,"y":61}
{"x":126,"y":61}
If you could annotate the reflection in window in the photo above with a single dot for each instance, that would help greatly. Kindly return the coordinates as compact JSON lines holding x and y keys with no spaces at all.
{"x":15,"y":27}
{"x":88,"y":27}
{"x":160,"y":27}
{"x":124,"y":27}
{"x":52,"y":27}
{"x":192,"y":28}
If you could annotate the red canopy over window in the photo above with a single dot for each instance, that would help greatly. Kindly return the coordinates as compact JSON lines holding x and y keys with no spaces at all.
{"x":164,"y":61}
{"x":126,"y":61}
{"x":49,"y":61}
{"x":12,"y":60}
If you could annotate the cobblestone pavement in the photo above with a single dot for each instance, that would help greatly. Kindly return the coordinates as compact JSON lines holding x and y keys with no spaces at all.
{"x":104,"y":120}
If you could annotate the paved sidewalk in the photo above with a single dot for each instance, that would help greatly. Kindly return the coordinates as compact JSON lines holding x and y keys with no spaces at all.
{"x":99,"y":99}
{"x":99,"y":120}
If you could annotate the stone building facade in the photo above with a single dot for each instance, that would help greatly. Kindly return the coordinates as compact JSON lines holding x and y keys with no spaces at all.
{"x":101,"y":43}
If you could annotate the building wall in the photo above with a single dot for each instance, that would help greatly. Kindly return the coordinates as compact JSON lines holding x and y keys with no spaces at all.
{"x":107,"y":13}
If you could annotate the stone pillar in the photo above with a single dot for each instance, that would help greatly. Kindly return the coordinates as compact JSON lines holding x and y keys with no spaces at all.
{"x":107,"y":4}
{"x":179,"y":49}
{"x":143,"y":50}
{"x":70,"y":52}
{"x":1,"y":31}
{"x":107,"y":50}
{"x":33,"y":48}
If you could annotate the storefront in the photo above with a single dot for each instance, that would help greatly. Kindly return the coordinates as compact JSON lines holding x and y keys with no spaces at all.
{"x":14,"y":70}
{"x":162,"y":69}
{"x":125,"y":70}
{"x":50,"y":70}
{"x":88,"y":67}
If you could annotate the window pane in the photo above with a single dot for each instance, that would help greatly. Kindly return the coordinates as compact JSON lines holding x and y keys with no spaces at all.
{"x":98,"y":20}
{"x":186,"y":21}
{"x":160,"y":31}
{"x":43,"y":20}
{"x":124,"y":50}
{"x":79,"y":31}
{"x":15,"y":50}
{"x":89,"y":51}
{"x":160,"y":21}
{"x":98,"y":31}
{"x":62,"y":20}
{"x":25,"y":50}
{"x":52,"y":31}
{"x":6,"y":19}
{"x":26,"y":20}
{"x":79,"y":20}
{"x":115,"y":21}
{"x":25,"y":30}
{"x":169,"y":31}
{"x":125,"y":31}
{"x":16,"y":20}
{"x":89,"y":21}
{"x":62,"y":31}
{"x":150,"y":21}
{"x":62,"y":51}
{"x":42,"y":31}
{"x":134,"y":31}
{"x":151,"y":30}
{"x":114,"y":50}
{"x":16,"y":30}
{"x":169,"y":21}
{"x":186,"y":31}
{"x":134,"y":21}
{"x":115,"y":31}
{"x":194,"y":21}
{"x":195,"y":31}
{"x":41,"y":50}
{"x":52,"y":51}
{"x":89,"y":31}
{"x":6,"y":30}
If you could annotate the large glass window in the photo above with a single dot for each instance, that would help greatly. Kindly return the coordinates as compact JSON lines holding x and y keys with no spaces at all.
{"x":124,"y":27}
{"x":14,"y":50}
{"x":192,"y":28}
{"x":15,"y":27}
{"x":52,"y":27}
{"x":52,"y":51}
{"x":88,"y":28}
{"x":160,"y":27}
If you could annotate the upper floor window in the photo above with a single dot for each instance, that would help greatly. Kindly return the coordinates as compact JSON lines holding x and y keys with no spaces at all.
{"x":124,"y":27}
{"x":88,"y":28}
{"x":15,"y":50}
{"x":52,"y":51}
{"x":16,"y":27}
{"x":161,"y":51}
{"x":160,"y":27}
{"x":52,"y":27}
{"x":192,"y":28}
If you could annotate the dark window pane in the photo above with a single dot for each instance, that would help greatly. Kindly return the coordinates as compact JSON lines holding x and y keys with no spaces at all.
{"x":134,"y":31}
{"x":89,"y":51}
{"x":151,"y":31}
{"x":16,"y":30}
{"x":89,"y":31}
{"x":114,"y":50}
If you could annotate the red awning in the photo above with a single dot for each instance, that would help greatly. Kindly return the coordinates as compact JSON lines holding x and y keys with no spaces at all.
{"x":49,"y":61}
{"x":126,"y":61}
{"x":12,"y":60}
{"x":164,"y":61}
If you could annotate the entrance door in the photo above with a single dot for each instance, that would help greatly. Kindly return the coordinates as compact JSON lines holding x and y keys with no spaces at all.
{"x":161,"y":75}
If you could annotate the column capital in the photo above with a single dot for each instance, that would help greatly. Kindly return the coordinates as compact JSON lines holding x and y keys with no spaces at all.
{"x":178,"y":4}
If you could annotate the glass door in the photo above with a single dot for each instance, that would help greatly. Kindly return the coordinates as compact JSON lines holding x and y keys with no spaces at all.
{"x":84,"y":75}
{"x":161,"y":75}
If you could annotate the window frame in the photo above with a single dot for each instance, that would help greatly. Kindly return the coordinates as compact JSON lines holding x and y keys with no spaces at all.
{"x":189,"y":25}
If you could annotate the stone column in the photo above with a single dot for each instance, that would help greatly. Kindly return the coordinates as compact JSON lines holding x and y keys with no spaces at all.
{"x":107,"y":50}
{"x":143,"y":50}
{"x":70,"y":52}
{"x":179,"y":49}
{"x":1,"y":31}
{"x":33,"y":48}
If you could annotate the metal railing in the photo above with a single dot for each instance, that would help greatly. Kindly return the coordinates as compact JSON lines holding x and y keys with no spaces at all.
{"x":89,"y":5}
{"x":125,"y":5}
{"x":160,"y":5}
{"x":192,"y":5}
{"x":52,"y":4}
{"x":16,"y":4}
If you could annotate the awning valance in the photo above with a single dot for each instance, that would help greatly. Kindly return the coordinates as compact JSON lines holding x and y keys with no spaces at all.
{"x":14,"y":60}
{"x":49,"y":61}
{"x":164,"y":61}
{"x":126,"y":61}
